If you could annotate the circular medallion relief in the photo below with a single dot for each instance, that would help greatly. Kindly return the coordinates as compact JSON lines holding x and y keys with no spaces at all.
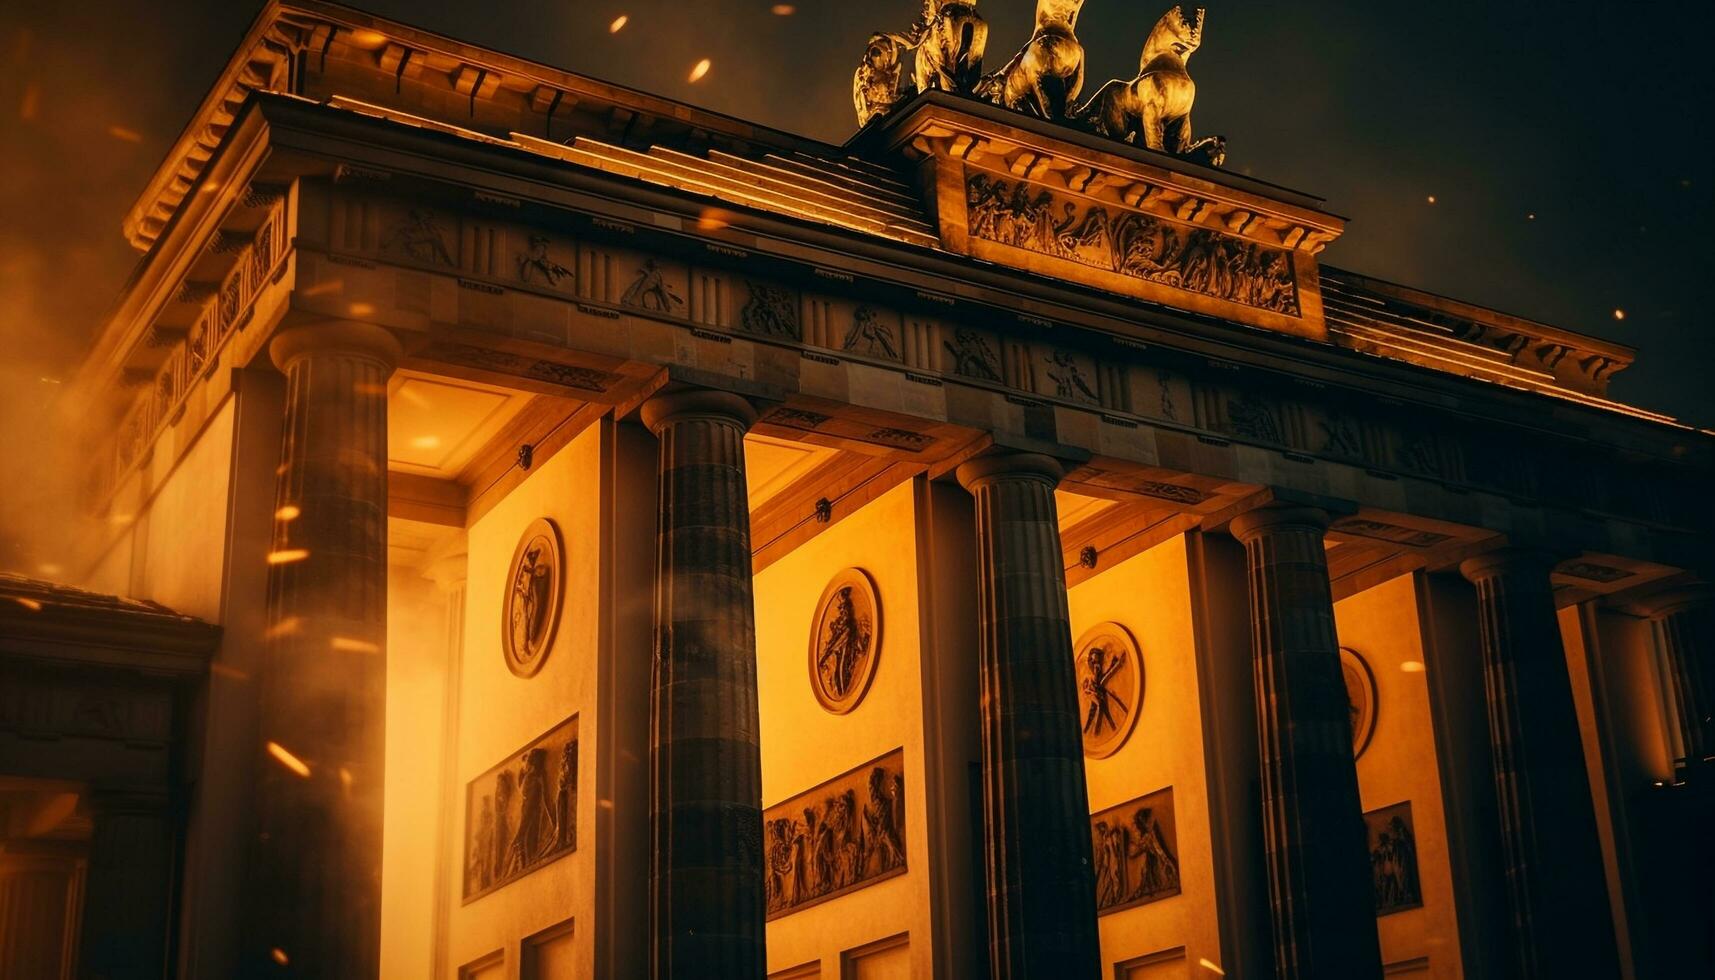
{"x":534,"y":587}
{"x":1110,"y":687}
{"x":1360,"y":698}
{"x":845,"y":641}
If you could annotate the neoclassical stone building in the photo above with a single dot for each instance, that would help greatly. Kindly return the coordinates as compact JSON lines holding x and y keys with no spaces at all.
{"x":575,"y":533}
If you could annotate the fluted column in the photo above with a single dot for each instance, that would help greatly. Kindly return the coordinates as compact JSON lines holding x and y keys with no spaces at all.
{"x":1319,"y":879}
{"x":315,"y":883}
{"x":1555,"y":882}
{"x":1682,"y":624}
{"x":1042,"y":893}
{"x":705,"y":756}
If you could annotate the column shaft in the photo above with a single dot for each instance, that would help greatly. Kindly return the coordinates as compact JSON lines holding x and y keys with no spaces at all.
{"x":1562,"y":924}
{"x":1319,"y":879}
{"x":1041,"y":901}
{"x":706,"y":759}
{"x":1683,"y":627}
{"x":315,"y":886}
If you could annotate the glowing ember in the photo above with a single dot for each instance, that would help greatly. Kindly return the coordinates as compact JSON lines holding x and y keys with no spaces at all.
{"x":1619,"y":314}
{"x":289,"y":512}
{"x":279,"y":955}
{"x":345,"y":779}
{"x":1412,"y":666}
{"x":701,"y":69}
{"x":361,"y":309}
{"x":287,"y":759}
{"x":49,"y":569}
{"x":30,"y":604}
{"x":286,"y":556}
{"x":348,"y":644}
{"x":712,"y":219}
{"x":782,"y":10}
{"x":1432,"y":199}
{"x":426,"y":442}
{"x":285,"y":627}
{"x":618,"y":24}
{"x":1531,"y":216}
{"x":125,"y":135}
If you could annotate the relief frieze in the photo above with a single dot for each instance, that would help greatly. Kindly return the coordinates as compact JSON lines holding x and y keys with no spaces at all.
{"x":523,"y":813}
{"x":1132,"y":244}
{"x":844,"y":834}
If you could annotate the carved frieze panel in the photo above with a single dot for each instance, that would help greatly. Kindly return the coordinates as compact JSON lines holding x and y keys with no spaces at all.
{"x":1131,"y":244}
{"x":521,"y":365}
{"x":1136,"y":848}
{"x":970,"y":353}
{"x":1391,"y":533}
{"x":769,"y":310}
{"x":1393,"y":858}
{"x":842,"y":835}
{"x":654,"y":285}
{"x":523,"y":813}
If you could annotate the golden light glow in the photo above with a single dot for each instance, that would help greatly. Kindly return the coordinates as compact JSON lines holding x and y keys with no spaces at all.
{"x":618,"y":23}
{"x":285,"y":627}
{"x":289,"y":512}
{"x":1619,"y":314}
{"x":345,"y":779}
{"x":30,"y":604}
{"x":369,"y":39}
{"x":320,"y":288}
{"x":49,"y":569}
{"x":287,"y":759}
{"x":712,"y":218}
{"x":1412,"y":666}
{"x":701,"y":69}
{"x":285,"y":556}
{"x":279,"y":955}
{"x":1432,"y":199}
{"x":426,"y":442}
{"x":351,"y":644}
{"x":125,"y":135}
{"x":1212,"y":968}
{"x":782,"y":10}
{"x":1531,"y":216}
{"x":223,"y":670}
{"x":361,"y":309}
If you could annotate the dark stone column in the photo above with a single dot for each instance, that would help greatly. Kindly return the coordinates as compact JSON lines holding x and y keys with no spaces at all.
{"x":1041,"y":885}
{"x":1319,"y":879}
{"x":705,"y":759}
{"x":1562,"y":925}
{"x":1682,"y":623}
{"x":315,"y":883}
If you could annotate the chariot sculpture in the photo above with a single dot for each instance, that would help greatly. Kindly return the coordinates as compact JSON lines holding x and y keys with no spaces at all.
{"x":1046,"y":76}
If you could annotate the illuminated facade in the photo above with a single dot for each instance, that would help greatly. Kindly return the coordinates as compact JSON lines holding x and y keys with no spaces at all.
{"x":639,"y":539}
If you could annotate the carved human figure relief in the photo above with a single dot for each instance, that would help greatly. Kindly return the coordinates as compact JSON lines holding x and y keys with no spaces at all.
{"x":523,"y":812}
{"x":1393,"y":858}
{"x":845,"y":640}
{"x":844,"y":834}
{"x":535,"y":590}
{"x":649,"y":290}
{"x":535,"y":262}
{"x":1136,"y":850}
{"x":950,"y":37}
{"x":1110,"y":687}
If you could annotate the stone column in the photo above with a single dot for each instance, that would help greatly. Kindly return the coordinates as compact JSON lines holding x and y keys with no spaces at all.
{"x":40,"y":904}
{"x":1562,"y":924}
{"x":1319,"y":881}
{"x":1041,"y":884}
{"x":706,"y":865}
{"x":1682,"y":623}
{"x":315,"y":882}
{"x":129,"y":887}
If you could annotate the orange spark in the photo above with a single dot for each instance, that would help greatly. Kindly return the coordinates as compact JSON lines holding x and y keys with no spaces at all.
{"x":1619,"y":314}
{"x":701,"y":69}
{"x":782,"y":10}
{"x":30,"y":604}
{"x":126,"y":135}
{"x":287,"y":759}
{"x":361,"y":309}
{"x":284,"y":627}
{"x":289,"y":512}
{"x":618,"y":23}
{"x":348,"y":644}
{"x":1432,"y":199}
{"x":279,"y":955}
{"x":1412,"y":666}
{"x":345,"y":779}
{"x":286,"y":556}
{"x":712,"y":219}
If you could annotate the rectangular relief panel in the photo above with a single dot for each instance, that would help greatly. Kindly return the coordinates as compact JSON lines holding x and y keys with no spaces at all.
{"x":1393,"y":858}
{"x":1136,"y":847}
{"x":549,"y":954}
{"x":522,"y":813}
{"x":842,"y":835}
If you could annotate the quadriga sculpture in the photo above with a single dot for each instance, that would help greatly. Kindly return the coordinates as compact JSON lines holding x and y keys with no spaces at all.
{"x":1046,"y":75}
{"x":1154,"y":109}
{"x":875,"y":84}
{"x":950,"y":37}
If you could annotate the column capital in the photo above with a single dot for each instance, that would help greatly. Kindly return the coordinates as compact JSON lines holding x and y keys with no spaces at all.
{"x":1671,"y":601}
{"x":1276,"y":517}
{"x":1029,"y":466}
{"x":703,"y":403}
{"x":1509,"y":560}
{"x":350,"y":337}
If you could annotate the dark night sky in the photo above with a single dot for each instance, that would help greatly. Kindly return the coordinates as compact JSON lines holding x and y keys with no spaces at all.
{"x":1596,"y":117}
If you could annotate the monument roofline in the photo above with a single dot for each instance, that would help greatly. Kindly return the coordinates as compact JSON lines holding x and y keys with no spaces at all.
{"x":288,"y":29}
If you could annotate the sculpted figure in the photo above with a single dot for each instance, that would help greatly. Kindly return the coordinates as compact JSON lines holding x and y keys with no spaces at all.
{"x":1046,"y":75}
{"x":950,"y":37}
{"x":875,"y":85}
{"x":1154,"y":109}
